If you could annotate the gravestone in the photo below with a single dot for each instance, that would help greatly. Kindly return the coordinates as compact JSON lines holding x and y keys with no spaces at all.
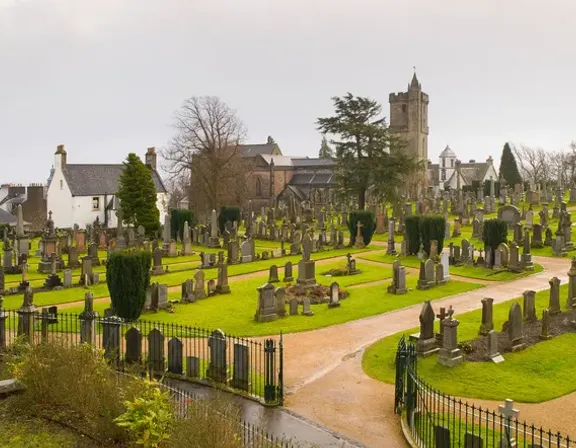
{"x":241,"y":367}
{"x":67,"y":278}
{"x":217,"y":368}
{"x":545,"y":332}
{"x":187,"y":294}
{"x":288,"y":275}
{"x":273,"y":274}
{"x":450,"y":355}
{"x":554,"y":301}
{"x":222,"y":286}
{"x":293,"y":306}
{"x":157,"y":268}
{"x":487,"y":324}
{"x":334,"y":296}
{"x":509,"y":214}
{"x":571,"y":301}
{"x":426,"y":344}
{"x":473,"y":441}
{"x":306,"y":267}
{"x":267,"y":310}
{"x":73,"y":262}
{"x":175,"y":356}
{"x":529,"y":306}
{"x":280,"y":297}
{"x":199,"y":286}
{"x":515,"y":327}
{"x":133,"y":345}
{"x":306,"y":311}
{"x":442,"y":437}
{"x":492,"y":346}
{"x":537,"y":236}
{"x":156,"y":350}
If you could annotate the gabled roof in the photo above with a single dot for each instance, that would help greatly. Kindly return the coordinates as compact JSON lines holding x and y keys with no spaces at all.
{"x":447,"y":153}
{"x":259,"y":149}
{"x":312,"y":179}
{"x":316,"y":162}
{"x":279,"y":161}
{"x":97,"y":180}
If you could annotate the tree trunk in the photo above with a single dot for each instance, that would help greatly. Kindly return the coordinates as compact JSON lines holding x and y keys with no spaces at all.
{"x":361,"y":198}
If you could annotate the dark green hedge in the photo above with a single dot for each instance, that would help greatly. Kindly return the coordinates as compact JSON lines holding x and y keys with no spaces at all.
{"x":228,"y":214}
{"x":495,"y":232}
{"x":128,"y":277}
{"x":432,"y":228}
{"x":178,"y":217}
{"x":487,"y":188}
{"x":412,"y":229}
{"x":365,"y":217}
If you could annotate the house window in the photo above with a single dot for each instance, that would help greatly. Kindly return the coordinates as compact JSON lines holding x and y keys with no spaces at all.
{"x":403,"y":108}
{"x":95,"y":203}
{"x":61,"y":184}
{"x":258,"y":187}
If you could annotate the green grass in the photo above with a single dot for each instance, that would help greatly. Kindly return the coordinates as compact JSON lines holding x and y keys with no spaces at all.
{"x":467,"y":271}
{"x":546,"y":364}
{"x":234,"y":313}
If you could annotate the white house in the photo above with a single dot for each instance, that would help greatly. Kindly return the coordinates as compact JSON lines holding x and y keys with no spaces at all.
{"x":78,"y":194}
{"x":444,"y":174}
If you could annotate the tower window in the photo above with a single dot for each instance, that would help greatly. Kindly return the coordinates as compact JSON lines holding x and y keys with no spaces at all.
{"x":403,"y":108}
{"x":451,"y":163}
{"x":443,"y":162}
{"x":443,"y":175}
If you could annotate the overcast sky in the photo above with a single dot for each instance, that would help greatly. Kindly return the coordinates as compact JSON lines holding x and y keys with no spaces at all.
{"x":104,"y":77}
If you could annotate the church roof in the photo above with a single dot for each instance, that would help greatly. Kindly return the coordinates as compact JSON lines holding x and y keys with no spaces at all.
{"x":447,"y":153}
{"x":279,"y":160}
{"x":97,"y":180}
{"x":260,"y":149}
{"x":414,"y":84}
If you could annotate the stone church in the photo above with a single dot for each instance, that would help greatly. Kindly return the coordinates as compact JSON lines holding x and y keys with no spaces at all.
{"x":278,"y":177}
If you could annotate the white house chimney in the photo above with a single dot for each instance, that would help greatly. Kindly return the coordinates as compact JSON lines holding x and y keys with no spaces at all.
{"x":60,"y":158}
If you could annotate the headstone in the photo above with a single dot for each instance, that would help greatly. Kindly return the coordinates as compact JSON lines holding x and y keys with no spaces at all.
{"x":288,"y":276}
{"x":273,"y":274}
{"x":545,"y":333}
{"x":515,"y":327}
{"x":222,"y":286}
{"x":334,"y":295}
{"x":487,"y":324}
{"x":554,"y":302}
{"x":492,"y":346}
{"x":293,"y":306}
{"x":529,"y":306}
{"x":571,"y":301}
{"x":450,"y":355}
{"x":217,"y":368}
{"x":306,"y":311}
{"x":267,"y":310}
{"x":280,"y":296}
{"x":426,"y":344}
{"x":199,"y":285}
{"x":175,"y":356}
{"x":156,"y":350}
{"x":241,"y":368}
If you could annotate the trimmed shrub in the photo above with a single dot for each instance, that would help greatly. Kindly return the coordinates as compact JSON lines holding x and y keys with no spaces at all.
{"x":486,"y":190}
{"x":128,"y":277}
{"x":228,"y":214}
{"x":495,"y":232}
{"x":368,"y":220}
{"x":412,"y":229}
{"x":178,"y":216}
{"x":432,"y":228}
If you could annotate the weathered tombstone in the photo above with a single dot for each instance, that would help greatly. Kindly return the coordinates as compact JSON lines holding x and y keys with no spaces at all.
{"x":293,"y":306}
{"x":493,"y":352}
{"x":67,"y":278}
{"x":175,"y":356}
{"x":217,"y":369}
{"x":273,"y":274}
{"x":241,"y":368}
{"x":510,"y":417}
{"x":199,"y":286}
{"x":156,"y":350}
{"x":441,"y":437}
{"x":306,"y":311}
{"x":487,"y":324}
{"x":334,"y":295}
{"x":266,"y":310}
{"x":187,"y":294}
{"x":473,"y":441}
{"x":426,"y":344}
{"x":450,"y":355}
{"x":515,"y":327}
{"x":537,"y":236}
{"x":571,"y":301}
{"x":280,"y":297}
{"x":192,"y":367}
{"x":288,"y":276}
{"x":545,"y":333}
{"x":529,"y":306}
{"x":554,"y":301}
{"x":157,"y":256}
{"x":133,"y":345}
{"x":87,"y":320}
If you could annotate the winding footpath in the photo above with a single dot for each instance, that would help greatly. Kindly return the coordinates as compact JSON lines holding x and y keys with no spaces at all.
{"x":326,"y":384}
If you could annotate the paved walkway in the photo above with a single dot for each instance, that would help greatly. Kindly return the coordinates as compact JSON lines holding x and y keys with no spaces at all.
{"x":326,"y":384}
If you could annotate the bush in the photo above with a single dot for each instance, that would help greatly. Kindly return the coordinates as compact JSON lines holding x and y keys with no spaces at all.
{"x":412,"y":229}
{"x":178,"y":217}
{"x":487,"y":188}
{"x":228,"y":214}
{"x":495,"y":232}
{"x":72,"y":385}
{"x":148,"y":417}
{"x":432,"y":228}
{"x":368,"y":220}
{"x":128,"y":277}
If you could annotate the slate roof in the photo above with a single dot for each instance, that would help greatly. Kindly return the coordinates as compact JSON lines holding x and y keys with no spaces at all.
{"x":312,"y":179}
{"x":316,"y":162}
{"x":447,"y":152}
{"x":257,"y":149}
{"x":97,"y":180}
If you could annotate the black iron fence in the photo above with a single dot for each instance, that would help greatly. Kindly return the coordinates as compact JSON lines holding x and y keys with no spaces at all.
{"x":188,"y":406}
{"x":437,"y":420}
{"x":246,"y":367}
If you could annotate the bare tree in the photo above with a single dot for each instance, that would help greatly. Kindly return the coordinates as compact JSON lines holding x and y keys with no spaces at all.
{"x":531,"y":161}
{"x":178,"y":188}
{"x":206,"y":149}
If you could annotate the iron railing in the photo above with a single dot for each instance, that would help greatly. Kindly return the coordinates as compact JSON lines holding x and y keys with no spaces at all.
{"x":247,"y":367}
{"x":437,"y":420}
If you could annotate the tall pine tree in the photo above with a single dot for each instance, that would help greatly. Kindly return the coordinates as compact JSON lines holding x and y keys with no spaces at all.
{"x":325,"y":150}
{"x":137,"y":194}
{"x":508,"y":167}
{"x":368,"y":158}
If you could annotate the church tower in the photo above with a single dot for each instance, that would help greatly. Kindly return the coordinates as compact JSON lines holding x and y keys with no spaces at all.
{"x":409,"y":118}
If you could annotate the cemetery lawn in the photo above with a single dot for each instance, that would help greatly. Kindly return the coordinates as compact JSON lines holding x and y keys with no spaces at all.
{"x":234,"y":312}
{"x":539,"y":373}
{"x":467,"y":271}
{"x":177,"y":275}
